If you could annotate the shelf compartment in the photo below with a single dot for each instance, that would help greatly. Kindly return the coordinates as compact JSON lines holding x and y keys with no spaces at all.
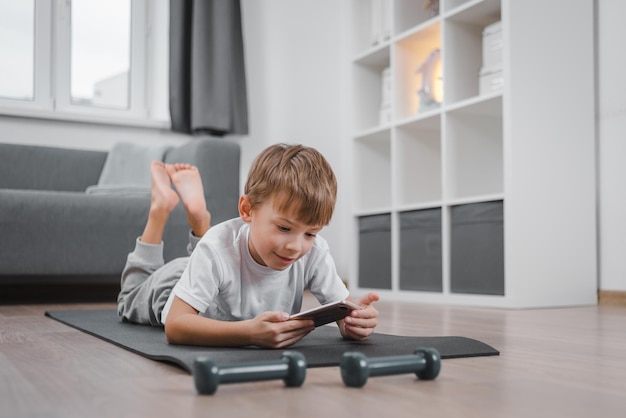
{"x":410,"y":53}
{"x":366,"y":34}
{"x":473,"y":148}
{"x":409,"y":14}
{"x":463,"y":48}
{"x":375,"y":251}
{"x":452,"y":5}
{"x":418,"y":158}
{"x":474,"y":12}
{"x":421,"y":251}
{"x":373,"y":170}
{"x":376,"y":57}
{"x":368,"y":83}
{"x":477,"y":248}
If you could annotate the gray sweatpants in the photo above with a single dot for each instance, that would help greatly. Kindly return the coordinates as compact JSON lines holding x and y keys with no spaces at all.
{"x":147,"y":282}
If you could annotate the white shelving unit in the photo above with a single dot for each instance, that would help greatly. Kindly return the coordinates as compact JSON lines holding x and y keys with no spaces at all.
{"x":521,"y":158}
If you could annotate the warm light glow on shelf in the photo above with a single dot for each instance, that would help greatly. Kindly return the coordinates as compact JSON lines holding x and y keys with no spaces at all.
{"x":437,"y":81}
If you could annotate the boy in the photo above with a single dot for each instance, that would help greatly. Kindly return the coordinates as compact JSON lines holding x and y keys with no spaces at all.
{"x":246,"y":275}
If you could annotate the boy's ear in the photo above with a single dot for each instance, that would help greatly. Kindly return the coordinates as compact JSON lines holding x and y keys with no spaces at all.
{"x":245,"y":208}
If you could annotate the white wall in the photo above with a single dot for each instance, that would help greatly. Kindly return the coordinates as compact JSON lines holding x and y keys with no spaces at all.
{"x":611,"y":113}
{"x":79,"y":135}
{"x":295,"y":57}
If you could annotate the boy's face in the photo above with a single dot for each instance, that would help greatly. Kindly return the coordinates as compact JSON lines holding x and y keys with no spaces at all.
{"x":276,"y":239}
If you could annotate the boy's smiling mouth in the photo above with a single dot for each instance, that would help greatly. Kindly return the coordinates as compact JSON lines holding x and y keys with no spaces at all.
{"x":284,"y":260}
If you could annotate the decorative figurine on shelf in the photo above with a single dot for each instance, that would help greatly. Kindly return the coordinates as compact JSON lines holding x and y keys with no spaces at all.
{"x":432,"y":7}
{"x":430,"y":70}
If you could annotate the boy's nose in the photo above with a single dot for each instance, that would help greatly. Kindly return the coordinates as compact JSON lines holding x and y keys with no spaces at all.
{"x":294,"y":245}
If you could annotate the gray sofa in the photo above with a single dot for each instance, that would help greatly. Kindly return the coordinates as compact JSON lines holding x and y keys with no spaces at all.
{"x":52,"y":231}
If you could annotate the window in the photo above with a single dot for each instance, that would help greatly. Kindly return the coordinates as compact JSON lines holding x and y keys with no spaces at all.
{"x":85,"y":60}
{"x":17,"y":54}
{"x":100,"y":53}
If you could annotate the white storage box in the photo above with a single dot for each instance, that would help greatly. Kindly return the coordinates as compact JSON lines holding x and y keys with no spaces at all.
{"x":493,"y":45}
{"x":491,"y":80}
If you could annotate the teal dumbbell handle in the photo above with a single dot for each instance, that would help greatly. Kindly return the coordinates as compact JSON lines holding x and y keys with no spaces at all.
{"x":356,"y":368}
{"x":291,"y":368}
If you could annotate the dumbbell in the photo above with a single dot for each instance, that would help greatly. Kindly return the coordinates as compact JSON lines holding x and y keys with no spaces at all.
{"x":291,"y":367}
{"x":356,"y":368}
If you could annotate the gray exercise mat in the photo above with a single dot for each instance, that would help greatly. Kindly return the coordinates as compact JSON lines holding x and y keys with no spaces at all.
{"x":322,"y":347}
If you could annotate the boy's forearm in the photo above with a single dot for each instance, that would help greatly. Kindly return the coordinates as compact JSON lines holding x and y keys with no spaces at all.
{"x":190,"y":329}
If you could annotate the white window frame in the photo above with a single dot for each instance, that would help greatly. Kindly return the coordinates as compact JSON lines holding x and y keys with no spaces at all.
{"x":52,"y":92}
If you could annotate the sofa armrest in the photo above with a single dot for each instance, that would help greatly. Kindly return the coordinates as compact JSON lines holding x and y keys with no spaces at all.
{"x":32,"y":167}
{"x":218,"y":162}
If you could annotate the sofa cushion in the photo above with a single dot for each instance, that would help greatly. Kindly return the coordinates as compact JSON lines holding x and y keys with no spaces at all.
{"x":128,"y":164}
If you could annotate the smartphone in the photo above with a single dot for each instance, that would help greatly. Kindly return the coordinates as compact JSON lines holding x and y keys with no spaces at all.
{"x":330,"y":312}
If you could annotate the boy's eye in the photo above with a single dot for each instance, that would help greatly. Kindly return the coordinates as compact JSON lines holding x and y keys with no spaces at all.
{"x":283,"y":228}
{"x":311,"y":235}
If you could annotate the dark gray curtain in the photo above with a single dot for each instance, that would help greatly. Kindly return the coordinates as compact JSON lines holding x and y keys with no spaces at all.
{"x":207,"y":73}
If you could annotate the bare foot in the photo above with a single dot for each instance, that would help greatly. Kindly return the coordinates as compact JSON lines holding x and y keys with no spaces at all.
{"x":163,"y":198}
{"x":188,"y":184}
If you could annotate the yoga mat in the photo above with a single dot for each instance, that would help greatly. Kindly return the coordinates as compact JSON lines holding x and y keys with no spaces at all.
{"x":322,"y":347}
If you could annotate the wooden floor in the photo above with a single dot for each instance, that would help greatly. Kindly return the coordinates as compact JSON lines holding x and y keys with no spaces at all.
{"x":553,"y":363}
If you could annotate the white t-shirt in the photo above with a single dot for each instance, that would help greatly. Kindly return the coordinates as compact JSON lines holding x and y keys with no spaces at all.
{"x":222,"y":281}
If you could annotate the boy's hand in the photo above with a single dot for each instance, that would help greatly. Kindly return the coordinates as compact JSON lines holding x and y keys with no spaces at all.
{"x":360,"y":323}
{"x":274,"y":330}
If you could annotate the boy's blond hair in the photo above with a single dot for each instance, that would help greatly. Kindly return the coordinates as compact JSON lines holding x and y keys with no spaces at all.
{"x":298,"y":178}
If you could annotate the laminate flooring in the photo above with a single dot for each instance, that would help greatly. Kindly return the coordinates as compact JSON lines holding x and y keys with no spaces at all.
{"x":566,"y":362}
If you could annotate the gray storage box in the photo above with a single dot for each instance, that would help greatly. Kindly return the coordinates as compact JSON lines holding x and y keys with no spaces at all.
{"x":375,"y":251}
{"x":420,"y":250}
{"x":477,"y":249}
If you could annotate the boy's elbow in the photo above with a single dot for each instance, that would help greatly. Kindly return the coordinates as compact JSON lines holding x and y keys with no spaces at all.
{"x":172,"y":334}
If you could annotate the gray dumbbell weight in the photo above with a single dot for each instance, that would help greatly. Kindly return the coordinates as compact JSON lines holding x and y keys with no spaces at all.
{"x":291,"y":367}
{"x":356,"y":368}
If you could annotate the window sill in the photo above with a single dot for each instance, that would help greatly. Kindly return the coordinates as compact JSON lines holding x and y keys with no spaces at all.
{"x":129,"y":121}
